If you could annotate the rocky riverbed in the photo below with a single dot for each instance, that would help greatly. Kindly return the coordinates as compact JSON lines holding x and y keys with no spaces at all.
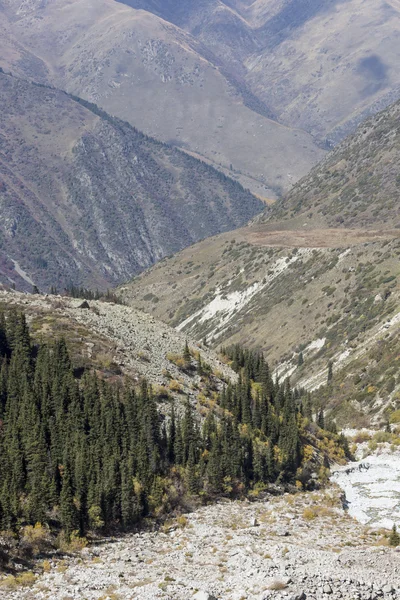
{"x":372,"y":488}
{"x":294,"y":547}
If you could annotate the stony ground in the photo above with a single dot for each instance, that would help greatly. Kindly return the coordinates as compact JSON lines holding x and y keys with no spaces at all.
{"x":294,"y":547}
{"x":138,"y":343}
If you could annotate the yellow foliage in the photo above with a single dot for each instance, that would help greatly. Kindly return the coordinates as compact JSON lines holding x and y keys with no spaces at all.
{"x":395,"y":417}
{"x":46,"y":566}
{"x":24,"y":579}
{"x":175,"y":386}
{"x":35,"y":536}
{"x":182,"y":521}
{"x":308,"y":452}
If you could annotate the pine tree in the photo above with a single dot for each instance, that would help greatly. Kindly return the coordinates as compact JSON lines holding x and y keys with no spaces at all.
{"x":330,"y":372}
{"x":394,"y":538}
{"x":186,"y":354}
{"x":321,"y":419}
{"x":68,"y":512}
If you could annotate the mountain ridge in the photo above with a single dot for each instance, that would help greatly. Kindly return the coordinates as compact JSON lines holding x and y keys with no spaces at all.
{"x":84,"y":176}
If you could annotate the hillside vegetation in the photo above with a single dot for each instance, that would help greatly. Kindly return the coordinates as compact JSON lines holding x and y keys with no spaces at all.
{"x":87,"y":199}
{"x":83,"y":451}
{"x":357,"y":185}
{"x":318,"y":275}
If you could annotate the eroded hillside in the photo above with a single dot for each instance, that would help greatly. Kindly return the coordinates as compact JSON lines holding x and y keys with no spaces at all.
{"x":290,"y":296}
{"x":87,"y":199}
{"x":313,"y":281}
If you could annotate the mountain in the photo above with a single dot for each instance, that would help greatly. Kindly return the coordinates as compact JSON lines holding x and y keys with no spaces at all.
{"x":323,"y":66}
{"x":161,"y":79}
{"x":118,"y":341}
{"x":358,"y":183}
{"x":85,"y":198}
{"x":259,"y":89}
{"x":319,"y":276}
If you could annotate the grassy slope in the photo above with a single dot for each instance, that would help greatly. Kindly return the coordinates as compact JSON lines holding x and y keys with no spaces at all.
{"x":320,"y":275}
{"x":357,"y":185}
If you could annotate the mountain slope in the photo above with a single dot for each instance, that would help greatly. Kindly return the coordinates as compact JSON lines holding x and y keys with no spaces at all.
{"x":162,"y":80}
{"x":319,"y":275}
{"x":321,"y":65}
{"x":216,"y":78}
{"x":117,"y":340}
{"x":288,"y":292}
{"x":85,"y":198}
{"x":358,"y":183}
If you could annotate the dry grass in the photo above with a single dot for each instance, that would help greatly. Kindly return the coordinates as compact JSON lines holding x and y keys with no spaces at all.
{"x":277,"y":585}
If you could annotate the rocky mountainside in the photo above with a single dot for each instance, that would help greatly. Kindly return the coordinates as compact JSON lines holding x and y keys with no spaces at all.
{"x":85,"y":198}
{"x":323,"y":66}
{"x":161,"y":79}
{"x":118,"y":340}
{"x":318,"y":278}
{"x":259,"y":89}
{"x":331,"y":295}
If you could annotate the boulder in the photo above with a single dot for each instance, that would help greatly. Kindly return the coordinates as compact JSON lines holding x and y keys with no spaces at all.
{"x":201,"y":595}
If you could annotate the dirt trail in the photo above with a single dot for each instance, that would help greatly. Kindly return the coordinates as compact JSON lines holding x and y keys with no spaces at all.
{"x":262,"y":235}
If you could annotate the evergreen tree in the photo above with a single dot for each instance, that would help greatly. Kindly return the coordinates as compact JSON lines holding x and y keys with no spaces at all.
{"x":394,"y":538}
{"x":330,"y":372}
{"x":68,"y":512}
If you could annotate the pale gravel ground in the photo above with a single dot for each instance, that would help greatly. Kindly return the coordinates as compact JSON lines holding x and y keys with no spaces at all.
{"x":373,"y":494}
{"x":221,"y":552}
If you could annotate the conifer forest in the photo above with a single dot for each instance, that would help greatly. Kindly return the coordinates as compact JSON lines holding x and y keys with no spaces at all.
{"x":81,"y":454}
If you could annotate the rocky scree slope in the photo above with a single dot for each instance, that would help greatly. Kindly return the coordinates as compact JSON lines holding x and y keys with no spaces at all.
{"x":296,"y":547}
{"x":161,"y":79}
{"x":119,"y":340}
{"x":87,"y":199}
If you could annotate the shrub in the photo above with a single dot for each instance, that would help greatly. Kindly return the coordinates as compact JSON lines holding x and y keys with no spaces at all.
{"x":309,"y":514}
{"x":24,"y":579}
{"x":175,"y":386}
{"x":35,"y":539}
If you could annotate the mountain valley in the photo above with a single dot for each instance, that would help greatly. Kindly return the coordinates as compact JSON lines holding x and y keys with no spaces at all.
{"x":199,"y":300}
{"x":317,"y":274}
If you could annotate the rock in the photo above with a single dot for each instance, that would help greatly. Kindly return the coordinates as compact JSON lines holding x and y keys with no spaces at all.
{"x":254,"y":522}
{"x":299,"y":596}
{"x":327,"y":589}
{"x":387,"y":589}
{"x":203,"y":596}
{"x":82,"y":305}
{"x":282,"y":532}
